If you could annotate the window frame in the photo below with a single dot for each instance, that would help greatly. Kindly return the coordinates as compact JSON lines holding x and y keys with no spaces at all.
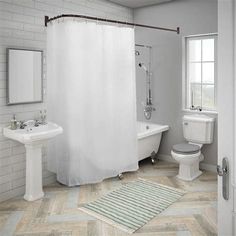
{"x":185,"y":82}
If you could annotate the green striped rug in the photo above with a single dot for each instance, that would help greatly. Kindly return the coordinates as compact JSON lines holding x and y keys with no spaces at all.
{"x":133,"y":205}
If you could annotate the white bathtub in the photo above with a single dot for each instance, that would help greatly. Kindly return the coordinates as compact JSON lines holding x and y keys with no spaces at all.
{"x":149,"y":138}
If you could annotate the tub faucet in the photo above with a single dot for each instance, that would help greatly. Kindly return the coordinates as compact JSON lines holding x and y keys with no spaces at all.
{"x":148,"y":109}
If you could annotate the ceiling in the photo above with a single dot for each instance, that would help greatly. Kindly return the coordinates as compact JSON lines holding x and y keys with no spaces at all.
{"x":138,"y":3}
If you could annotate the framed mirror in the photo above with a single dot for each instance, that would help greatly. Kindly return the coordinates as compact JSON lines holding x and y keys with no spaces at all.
{"x":24,"y":76}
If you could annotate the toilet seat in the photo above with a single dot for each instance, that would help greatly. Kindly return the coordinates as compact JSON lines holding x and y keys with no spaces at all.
{"x":186,"y":148}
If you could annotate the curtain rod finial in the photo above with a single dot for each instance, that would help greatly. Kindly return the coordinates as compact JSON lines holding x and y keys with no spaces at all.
{"x":46,"y":18}
{"x":178,"y":30}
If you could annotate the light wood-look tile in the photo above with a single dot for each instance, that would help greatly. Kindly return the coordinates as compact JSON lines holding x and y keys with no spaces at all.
{"x":57,"y":213}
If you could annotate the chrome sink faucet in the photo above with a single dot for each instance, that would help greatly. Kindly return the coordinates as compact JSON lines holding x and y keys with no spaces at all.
{"x":29,"y":123}
{"x":26,"y":124}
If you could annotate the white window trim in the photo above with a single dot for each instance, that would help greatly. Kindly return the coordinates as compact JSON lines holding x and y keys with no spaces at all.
{"x":184,"y":74}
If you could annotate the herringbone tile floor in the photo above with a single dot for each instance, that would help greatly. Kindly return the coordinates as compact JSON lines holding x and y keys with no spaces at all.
{"x":57,"y":213}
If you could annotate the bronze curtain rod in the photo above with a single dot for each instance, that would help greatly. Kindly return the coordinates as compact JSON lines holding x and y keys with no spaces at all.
{"x":47,"y":20}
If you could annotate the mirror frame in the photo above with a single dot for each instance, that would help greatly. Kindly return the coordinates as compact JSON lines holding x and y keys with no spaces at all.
{"x":7,"y":84}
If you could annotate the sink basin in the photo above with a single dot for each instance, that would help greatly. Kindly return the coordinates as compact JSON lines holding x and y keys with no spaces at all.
{"x":33,"y":138}
{"x":31,"y":135}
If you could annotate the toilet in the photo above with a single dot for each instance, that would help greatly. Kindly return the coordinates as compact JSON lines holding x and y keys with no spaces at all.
{"x":197,"y":130}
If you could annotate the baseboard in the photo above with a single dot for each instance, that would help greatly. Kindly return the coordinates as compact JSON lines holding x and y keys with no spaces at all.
{"x":208,"y":167}
{"x":167,"y":158}
{"x":203,"y":166}
{"x":12,"y":194}
{"x":49,"y":180}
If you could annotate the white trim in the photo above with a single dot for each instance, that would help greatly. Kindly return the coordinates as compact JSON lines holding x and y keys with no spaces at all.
{"x":203,"y":166}
{"x":49,"y":180}
{"x":165,"y":157}
{"x":184,"y":92}
{"x":200,"y":112}
{"x":208,"y":167}
{"x":201,"y":35}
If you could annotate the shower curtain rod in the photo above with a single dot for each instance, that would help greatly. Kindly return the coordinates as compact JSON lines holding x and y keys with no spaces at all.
{"x":47,"y":20}
{"x":143,"y":46}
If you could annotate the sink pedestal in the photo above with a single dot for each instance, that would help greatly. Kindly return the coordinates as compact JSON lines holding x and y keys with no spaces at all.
{"x":34,"y":187}
{"x":33,"y":138}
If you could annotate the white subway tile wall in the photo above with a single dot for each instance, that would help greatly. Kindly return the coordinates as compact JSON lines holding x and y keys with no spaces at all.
{"x":22,"y":25}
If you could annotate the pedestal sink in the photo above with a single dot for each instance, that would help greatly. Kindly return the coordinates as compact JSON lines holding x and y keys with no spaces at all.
{"x":33,"y":138}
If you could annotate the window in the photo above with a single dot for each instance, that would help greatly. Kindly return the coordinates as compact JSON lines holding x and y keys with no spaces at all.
{"x":200,"y":72}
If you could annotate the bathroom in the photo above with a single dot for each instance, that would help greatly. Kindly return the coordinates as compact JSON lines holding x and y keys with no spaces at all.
{"x":154,"y":38}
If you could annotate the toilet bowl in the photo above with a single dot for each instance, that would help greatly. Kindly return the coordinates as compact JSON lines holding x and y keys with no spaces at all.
{"x":188,"y":156}
{"x":198,"y":130}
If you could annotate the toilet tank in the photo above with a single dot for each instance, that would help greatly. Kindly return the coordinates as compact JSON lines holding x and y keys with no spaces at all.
{"x":198,"y":128}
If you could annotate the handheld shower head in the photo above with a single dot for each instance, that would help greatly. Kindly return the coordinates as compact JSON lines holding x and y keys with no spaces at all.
{"x":143,"y":67}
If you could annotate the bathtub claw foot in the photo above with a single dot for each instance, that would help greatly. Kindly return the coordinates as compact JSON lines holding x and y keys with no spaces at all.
{"x":120,"y":176}
{"x":153,"y":157}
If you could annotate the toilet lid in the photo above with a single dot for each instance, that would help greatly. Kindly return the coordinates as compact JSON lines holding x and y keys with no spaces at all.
{"x":186,"y":148}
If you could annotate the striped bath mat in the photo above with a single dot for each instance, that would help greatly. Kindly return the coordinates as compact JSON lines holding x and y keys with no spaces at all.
{"x":133,"y":205}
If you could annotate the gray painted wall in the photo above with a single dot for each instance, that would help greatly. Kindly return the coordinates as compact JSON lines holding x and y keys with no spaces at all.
{"x":193,"y":17}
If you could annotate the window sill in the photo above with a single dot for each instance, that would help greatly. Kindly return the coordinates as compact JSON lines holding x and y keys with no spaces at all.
{"x":201,"y":112}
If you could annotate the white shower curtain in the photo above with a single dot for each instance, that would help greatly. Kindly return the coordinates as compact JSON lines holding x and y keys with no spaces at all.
{"x":91,"y":94}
